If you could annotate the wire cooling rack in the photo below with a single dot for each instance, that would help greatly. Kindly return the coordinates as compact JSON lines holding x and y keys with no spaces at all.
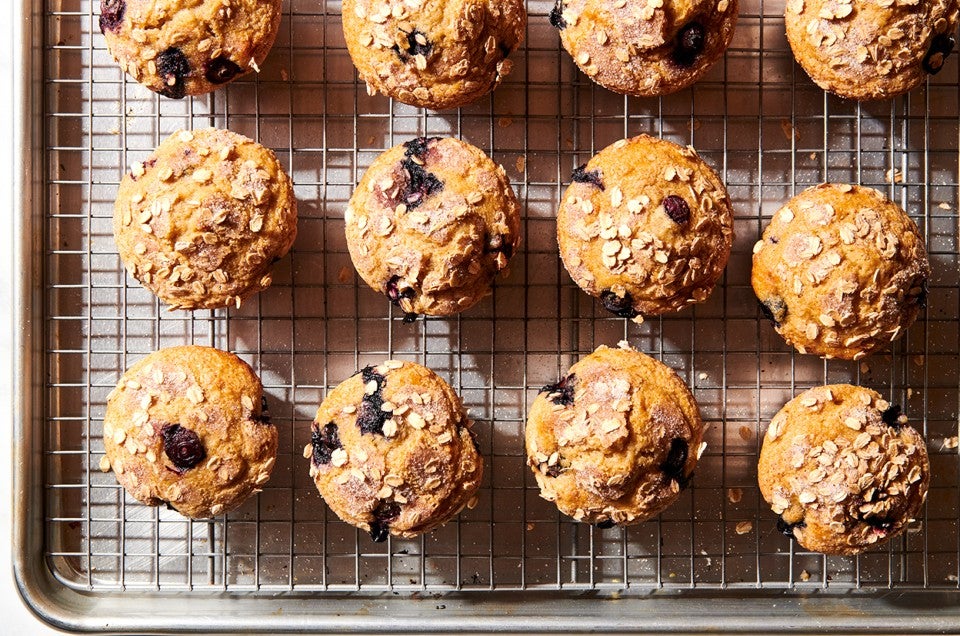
{"x":756,"y":118}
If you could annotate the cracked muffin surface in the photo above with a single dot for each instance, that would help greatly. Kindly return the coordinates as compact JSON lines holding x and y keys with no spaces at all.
{"x":646,"y":226}
{"x":187,"y":427}
{"x":433,"y":53}
{"x":616,"y":439}
{"x":189,"y":47}
{"x":841,"y":270}
{"x":869,"y":49}
{"x":202,"y":220}
{"x":431,"y":224}
{"x":648,"y":47}
{"x":843,"y":469}
{"x":392,"y":451}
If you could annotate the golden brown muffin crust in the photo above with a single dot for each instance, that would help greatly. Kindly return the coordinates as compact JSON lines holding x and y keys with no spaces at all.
{"x":189,"y":47}
{"x":871,"y":49}
{"x":185,"y":427}
{"x":433,"y":53}
{"x":392,"y":451}
{"x":616,"y":439}
{"x":841,"y":270}
{"x":431,"y":224}
{"x":842,"y":469}
{"x":202,"y":220}
{"x":646,"y":226}
{"x":645,"y":47}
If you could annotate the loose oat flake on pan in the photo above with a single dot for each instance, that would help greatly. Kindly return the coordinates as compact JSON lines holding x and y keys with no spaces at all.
{"x":202,"y":220}
{"x":189,"y":47}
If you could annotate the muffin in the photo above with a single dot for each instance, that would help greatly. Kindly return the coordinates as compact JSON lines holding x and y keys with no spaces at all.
{"x":433,"y":53}
{"x":867,"y":50}
{"x":841,"y":271}
{"x":187,"y":427}
{"x":391,"y":451}
{"x":201,"y":222}
{"x":616,"y":440}
{"x":646,"y":227}
{"x":842,"y":469}
{"x":431,"y":224}
{"x":645,"y":48}
{"x":188,"y":47}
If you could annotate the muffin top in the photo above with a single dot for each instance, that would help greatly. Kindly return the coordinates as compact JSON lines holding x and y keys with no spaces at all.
{"x":616,"y":440}
{"x":202,"y":220}
{"x":187,"y":427}
{"x":189,"y":47}
{"x":645,"y":48}
{"x":841,"y":271}
{"x":869,"y":49}
{"x":843,"y":470}
{"x":431,"y":224}
{"x":646,"y":226}
{"x":433,"y":53}
{"x":392,"y":452}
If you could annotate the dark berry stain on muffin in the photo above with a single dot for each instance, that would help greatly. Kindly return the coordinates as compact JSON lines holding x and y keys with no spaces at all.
{"x":264,"y":411}
{"x":556,"y":16}
{"x":383,"y":514}
{"x":891,"y":417}
{"x":677,"y":209}
{"x":173,"y":68}
{"x":220,"y":70}
{"x":325,"y":441}
{"x":561,"y":393}
{"x":417,"y":44}
{"x":498,"y":243}
{"x":182,"y":446}
{"x":606,"y":524}
{"x":879,"y":523}
{"x":941,"y":47}
{"x":676,"y":462}
{"x":774,"y":310}
{"x":408,"y":318}
{"x":787,"y":529}
{"x":581,"y":175}
{"x":690,"y":42}
{"x":419,"y":183}
{"x":396,"y":291}
{"x":922,"y":296}
{"x":620,"y":305}
{"x":370,"y":417}
{"x":111,"y":14}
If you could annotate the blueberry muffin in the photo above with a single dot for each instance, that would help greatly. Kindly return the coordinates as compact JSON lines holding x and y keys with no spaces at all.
{"x":646,"y":227}
{"x":866,"y":50}
{"x":841,"y":271}
{"x":431,"y":224}
{"x":616,"y":440}
{"x":433,"y":53}
{"x":648,"y":47}
{"x":842,"y":469}
{"x":188,"y":47}
{"x":202,"y":220}
{"x":391,"y":451}
{"x":187,"y":427}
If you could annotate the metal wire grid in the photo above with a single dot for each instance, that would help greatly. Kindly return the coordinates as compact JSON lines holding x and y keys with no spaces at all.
{"x":756,"y":118}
